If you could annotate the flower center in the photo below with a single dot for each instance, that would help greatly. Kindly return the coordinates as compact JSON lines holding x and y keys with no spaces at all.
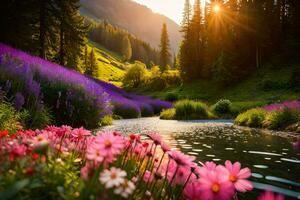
{"x":107,"y":143}
{"x":232,"y":178}
{"x":113,"y":175}
{"x":196,"y":198}
{"x":98,"y":153}
{"x":215,"y":187}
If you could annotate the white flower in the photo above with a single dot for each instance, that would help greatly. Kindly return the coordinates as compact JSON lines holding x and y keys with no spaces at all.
{"x":113,"y":177}
{"x":125,"y":189}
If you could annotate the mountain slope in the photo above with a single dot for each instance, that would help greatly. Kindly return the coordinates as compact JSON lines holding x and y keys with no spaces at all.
{"x":137,"y":19}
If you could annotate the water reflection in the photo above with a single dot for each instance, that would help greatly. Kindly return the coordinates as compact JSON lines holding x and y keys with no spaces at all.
{"x":272,"y":159}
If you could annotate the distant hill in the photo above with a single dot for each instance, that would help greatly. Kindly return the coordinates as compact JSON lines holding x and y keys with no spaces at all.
{"x":137,"y":19}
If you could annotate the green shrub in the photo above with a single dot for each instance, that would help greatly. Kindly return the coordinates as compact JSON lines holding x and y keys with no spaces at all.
{"x":9,"y":118}
{"x":127,"y":112}
{"x":253,"y":118}
{"x":36,"y":119}
{"x":135,"y":75}
{"x":168,"y":114}
{"x":222,"y":107}
{"x":106,"y":120}
{"x":187,"y":109}
{"x":280,"y":119}
{"x":171,"y":97}
{"x":240,"y":107}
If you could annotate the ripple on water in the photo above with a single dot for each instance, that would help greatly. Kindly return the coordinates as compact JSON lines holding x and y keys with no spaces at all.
{"x":290,"y":160}
{"x":216,"y":159}
{"x":257,"y":175}
{"x":264,"y":153}
{"x":261,"y":166}
{"x":210,"y":155}
{"x":197,"y":150}
{"x":282,"y":180}
{"x":193,"y":153}
{"x":229,"y":149}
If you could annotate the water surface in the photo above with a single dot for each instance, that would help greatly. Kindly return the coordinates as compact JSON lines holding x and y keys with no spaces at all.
{"x":272,"y":159}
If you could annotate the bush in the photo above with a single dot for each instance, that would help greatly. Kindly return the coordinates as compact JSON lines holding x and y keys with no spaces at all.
{"x":127,"y":111}
{"x":187,"y":109}
{"x":135,"y":75}
{"x":171,"y":97}
{"x":222,"y":107}
{"x":253,"y":118}
{"x":280,"y":119}
{"x":106,"y":120}
{"x":240,"y":107}
{"x":9,"y":118}
{"x":168,"y":114}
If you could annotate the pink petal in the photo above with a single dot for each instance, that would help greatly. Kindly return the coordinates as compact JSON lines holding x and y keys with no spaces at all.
{"x":243,"y":185}
{"x":228,"y":165}
{"x":244,"y":173}
{"x":236,"y":168}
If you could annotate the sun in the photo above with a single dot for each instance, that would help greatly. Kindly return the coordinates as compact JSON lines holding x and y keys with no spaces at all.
{"x":216,"y":8}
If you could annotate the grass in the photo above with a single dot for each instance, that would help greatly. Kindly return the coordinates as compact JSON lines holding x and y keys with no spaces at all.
{"x":111,"y":68}
{"x":274,"y":120}
{"x":187,"y":110}
{"x":247,"y":90}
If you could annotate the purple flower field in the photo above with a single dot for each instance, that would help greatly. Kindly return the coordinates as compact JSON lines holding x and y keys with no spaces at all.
{"x":101,"y":94}
{"x":279,"y":106}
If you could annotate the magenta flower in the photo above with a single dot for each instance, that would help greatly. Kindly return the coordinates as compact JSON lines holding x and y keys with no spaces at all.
{"x":110,"y":144}
{"x":192,"y":191}
{"x":94,"y":153}
{"x":80,"y":133}
{"x":181,"y":159}
{"x":237,"y":176}
{"x":214,"y":187}
{"x":165,"y":147}
{"x":270,"y":196}
{"x":148,"y":176}
{"x":207,"y":167}
{"x":156,"y":138}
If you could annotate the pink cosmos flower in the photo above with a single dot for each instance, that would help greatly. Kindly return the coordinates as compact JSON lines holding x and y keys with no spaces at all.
{"x":85,"y":172}
{"x":214,"y":187}
{"x":94,"y":153}
{"x":17,"y":150}
{"x":157,"y":139}
{"x":192,"y":191}
{"x":237,"y":176}
{"x":80,"y":133}
{"x":165,"y":147}
{"x":110,"y":144}
{"x":270,"y":196}
{"x":180,"y":158}
{"x":148,"y":176}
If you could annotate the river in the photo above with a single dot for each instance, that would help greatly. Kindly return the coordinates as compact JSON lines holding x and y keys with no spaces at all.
{"x":275,"y":165}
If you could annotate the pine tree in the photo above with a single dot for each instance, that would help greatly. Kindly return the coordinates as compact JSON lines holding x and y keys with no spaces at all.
{"x":92,"y":67}
{"x":126,"y":48}
{"x":72,"y":33}
{"x":164,"y":48}
{"x":184,"y":52}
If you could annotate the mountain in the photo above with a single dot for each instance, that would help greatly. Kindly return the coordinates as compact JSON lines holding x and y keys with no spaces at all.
{"x":139,"y":20}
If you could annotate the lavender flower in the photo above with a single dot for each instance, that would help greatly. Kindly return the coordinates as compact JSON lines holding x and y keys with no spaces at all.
{"x":19,"y":101}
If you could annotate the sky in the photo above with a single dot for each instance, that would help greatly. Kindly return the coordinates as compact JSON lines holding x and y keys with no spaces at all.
{"x":170,"y":8}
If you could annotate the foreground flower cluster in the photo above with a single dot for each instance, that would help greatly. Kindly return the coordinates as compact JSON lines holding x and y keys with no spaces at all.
{"x":62,"y":162}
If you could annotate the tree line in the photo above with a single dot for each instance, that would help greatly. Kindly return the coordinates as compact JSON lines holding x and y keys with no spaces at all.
{"x":51,"y":29}
{"x":226,"y":40}
{"x":118,"y":40}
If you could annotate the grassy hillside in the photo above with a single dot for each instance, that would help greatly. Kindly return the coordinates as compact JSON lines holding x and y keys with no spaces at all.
{"x":139,"y":21}
{"x":270,"y":83}
{"x":111,"y":67}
